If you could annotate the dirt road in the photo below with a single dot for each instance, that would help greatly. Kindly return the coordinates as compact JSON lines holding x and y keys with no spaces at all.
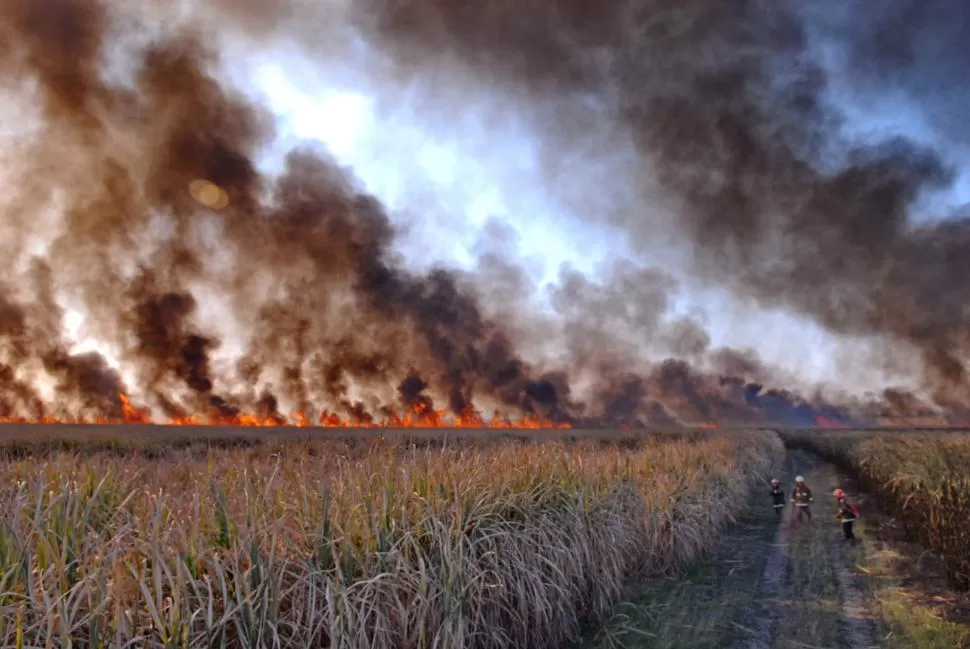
{"x":809,"y":595}
{"x":767,"y":585}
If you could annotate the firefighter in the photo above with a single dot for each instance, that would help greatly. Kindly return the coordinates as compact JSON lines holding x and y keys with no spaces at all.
{"x":801,"y":497}
{"x":847,"y":515}
{"x":777,"y":497}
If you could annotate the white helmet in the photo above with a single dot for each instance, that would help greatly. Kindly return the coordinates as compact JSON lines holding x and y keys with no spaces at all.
{"x":799,"y":478}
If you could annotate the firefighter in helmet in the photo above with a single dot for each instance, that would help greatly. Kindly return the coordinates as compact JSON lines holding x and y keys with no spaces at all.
{"x":801,"y":497}
{"x":847,"y":515}
{"x":777,"y":497}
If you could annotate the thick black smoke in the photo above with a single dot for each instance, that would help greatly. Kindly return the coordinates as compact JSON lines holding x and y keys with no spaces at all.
{"x":303,"y":263}
{"x":732,"y":106}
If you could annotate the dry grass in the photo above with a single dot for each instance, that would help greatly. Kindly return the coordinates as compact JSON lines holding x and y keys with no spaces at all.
{"x":703,"y":605}
{"x":923,"y":480}
{"x":328,"y":544}
{"x":917,"y":609}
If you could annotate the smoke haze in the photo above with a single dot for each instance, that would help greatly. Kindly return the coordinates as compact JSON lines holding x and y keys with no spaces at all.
{"x":718,"y":116}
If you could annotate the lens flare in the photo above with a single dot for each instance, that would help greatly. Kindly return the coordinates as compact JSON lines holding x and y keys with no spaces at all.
{"x":209,"y":194}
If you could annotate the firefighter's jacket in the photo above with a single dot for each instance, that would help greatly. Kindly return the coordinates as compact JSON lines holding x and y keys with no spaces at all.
{"x":847,"y":512}
{"x":778,"y":497}
{"x":802,"y":496}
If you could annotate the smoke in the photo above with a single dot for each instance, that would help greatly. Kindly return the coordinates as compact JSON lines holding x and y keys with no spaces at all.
{"x":301,"y":265}
{"x":731,"y":108}
{"x":912,"y":49}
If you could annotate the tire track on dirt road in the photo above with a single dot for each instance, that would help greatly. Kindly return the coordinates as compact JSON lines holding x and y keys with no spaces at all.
{"x":858,"y":621}
{"x":762,"y":615}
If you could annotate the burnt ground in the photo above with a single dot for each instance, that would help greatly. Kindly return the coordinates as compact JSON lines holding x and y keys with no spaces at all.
{"x":39,"y":440}
{"x":15,"y":433}
{"x":139,"y":435}
{"x":783,"y":585}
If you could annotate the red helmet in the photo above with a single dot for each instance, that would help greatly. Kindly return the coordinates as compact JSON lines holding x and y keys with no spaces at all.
{"x":838,"y":493}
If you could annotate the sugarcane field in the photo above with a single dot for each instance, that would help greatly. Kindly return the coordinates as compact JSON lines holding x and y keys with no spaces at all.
{"x":435,"y":324}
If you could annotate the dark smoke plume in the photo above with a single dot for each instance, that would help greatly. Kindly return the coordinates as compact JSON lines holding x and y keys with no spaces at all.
{"x":302,"y":264}
{"x":729,"y":105}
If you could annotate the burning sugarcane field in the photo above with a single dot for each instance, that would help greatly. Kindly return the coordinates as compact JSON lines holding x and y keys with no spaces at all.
{"x":436,"y":325}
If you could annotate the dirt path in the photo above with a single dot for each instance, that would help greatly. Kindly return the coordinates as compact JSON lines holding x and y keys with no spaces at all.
{"x":821,"y":602}
{"x":859,"y":622}
{"x":767,"y":585}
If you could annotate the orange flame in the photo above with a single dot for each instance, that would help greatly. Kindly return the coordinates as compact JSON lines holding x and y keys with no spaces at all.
{"x":421,"y":415}
{"x":827,"y":422}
